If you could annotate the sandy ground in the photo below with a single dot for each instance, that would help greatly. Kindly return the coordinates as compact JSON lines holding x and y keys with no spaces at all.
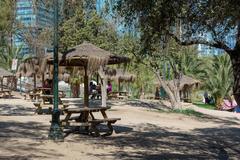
{"x":142,"y":133}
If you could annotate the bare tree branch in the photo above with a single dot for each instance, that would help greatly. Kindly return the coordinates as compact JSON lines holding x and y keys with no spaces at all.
{"x":216,"y":44}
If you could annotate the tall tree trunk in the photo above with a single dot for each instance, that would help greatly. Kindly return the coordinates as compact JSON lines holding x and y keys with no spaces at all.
{"x":103,"y":86}
{"x":34,"y":81}
{"x":172,"y":93}
{"x":235,"y":58}
{"x":104,"y":92}
{"x":1,"y":79}
{"x":86,"y":94}
{"x":43,"y":79}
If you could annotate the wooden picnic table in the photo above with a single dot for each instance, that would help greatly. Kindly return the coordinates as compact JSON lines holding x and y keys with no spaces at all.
{"x":44,"y":89}
{"x":36,"y":93}
{"x":40,"y":104}
{"x":118,"y":95}
{"x":46,"y":97}
{"x":6,"y":93}
{"x":85,"y":118}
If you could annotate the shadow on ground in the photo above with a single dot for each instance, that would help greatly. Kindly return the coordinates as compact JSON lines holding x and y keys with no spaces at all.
{"x":21,"y":141}
{"x":150,"y":142}
{"x":15,"y":110}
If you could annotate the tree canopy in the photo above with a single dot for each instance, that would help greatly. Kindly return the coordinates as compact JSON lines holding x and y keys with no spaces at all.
{"x":90,"y":27}
{"x":202,"y":22}
{"x":188,"y":22}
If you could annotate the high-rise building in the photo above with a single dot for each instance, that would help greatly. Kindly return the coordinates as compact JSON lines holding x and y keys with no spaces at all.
{"x":32,"y":15}
{"x":229,"y":40}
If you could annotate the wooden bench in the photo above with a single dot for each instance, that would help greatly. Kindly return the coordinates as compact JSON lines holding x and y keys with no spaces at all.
{"x":95,"y":132}
{"x":33,"y":96}
{"x":39,"y":107}
{"x":118,"y":95}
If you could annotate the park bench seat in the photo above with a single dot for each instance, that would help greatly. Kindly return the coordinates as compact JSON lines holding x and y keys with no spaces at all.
{"x":74,"y":124}
{"x":110,"y":120}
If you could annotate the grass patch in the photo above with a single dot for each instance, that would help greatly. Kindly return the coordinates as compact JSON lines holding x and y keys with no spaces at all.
{"x":203,"y":105}
{"x":188,"y":112}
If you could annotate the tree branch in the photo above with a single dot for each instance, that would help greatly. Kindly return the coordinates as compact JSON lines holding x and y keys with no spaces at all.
{"x":215,"y":44}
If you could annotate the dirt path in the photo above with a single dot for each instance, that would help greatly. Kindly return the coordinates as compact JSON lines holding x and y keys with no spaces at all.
{"x":142,"y":133}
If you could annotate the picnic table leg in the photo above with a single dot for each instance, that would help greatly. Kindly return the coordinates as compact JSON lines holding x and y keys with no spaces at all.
{"x":66,"y":120}
{"x":93,"y":130}
{"x":92,"y":116}
{"x":110,"y":131}
{"x":104,"y":114}
{"x":39,"y":109}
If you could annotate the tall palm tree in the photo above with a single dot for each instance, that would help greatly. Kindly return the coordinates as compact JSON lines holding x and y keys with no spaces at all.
{"x":220,"y":78}
{"x":7,"y":55}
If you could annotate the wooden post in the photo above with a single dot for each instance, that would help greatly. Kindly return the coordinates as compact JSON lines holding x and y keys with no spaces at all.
{"x":43,"y":79}
{"x":103,"y":86}
{"x":118,"y":85}
{"x":1,"y":83}
{"x":97,"y":79}
{"x":104,"y":92}
{"x":20,"y":77}
{"x":34,"y":81}
{"x":128,"y":90}
{"x":86,"y":103}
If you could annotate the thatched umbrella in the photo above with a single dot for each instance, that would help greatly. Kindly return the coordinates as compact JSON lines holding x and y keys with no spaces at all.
{"x":186,"y":85}
{"x":121,"y":76}
{"x":37,"y":67}
{"x":47,"y":69}
{"x":91,"y":58}
{"x":186,"y":82}
{"x":4,"y":73}
{"x":30,"y":67}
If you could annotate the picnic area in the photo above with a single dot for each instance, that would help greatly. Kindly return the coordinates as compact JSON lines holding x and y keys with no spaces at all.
{"x":144,"y":132}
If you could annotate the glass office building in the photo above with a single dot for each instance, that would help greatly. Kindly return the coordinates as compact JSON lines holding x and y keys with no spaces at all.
{"x":32,"y":15}
{"x":229,"y":40}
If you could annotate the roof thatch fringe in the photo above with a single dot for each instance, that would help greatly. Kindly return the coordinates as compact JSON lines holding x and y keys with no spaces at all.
{"x":29,"y":67}
{"x":88,"y":55}
{"x":123,"y":75}
{"x":44,"y":61}
{"x":118,"y":74}
{"x":185,"y":82}
{"x":95,"y":62}
{"x":4,"y":73}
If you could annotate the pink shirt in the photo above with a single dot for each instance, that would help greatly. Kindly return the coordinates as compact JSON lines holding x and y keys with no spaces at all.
{"x":228,"y":105}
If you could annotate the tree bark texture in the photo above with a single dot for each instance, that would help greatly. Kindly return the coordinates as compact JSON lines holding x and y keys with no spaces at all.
{"x":104,"y":92}
{"x":103,"y":86}
{"x":235,"y":58}
{"x":173,"y":94}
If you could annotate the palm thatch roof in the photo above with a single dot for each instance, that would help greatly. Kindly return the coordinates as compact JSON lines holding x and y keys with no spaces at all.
{"x":90,"y":56}
{"x":29,"y":67}
{"x":185,"y":82}
{"x":63,"y":73}
{"x":5,"y":73}
{"x":44,"y":61}
{"x":122,"y":75}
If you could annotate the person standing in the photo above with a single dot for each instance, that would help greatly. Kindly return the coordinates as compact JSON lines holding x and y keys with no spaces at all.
{"x":109,"y":87}
{"x":206,"y":98}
